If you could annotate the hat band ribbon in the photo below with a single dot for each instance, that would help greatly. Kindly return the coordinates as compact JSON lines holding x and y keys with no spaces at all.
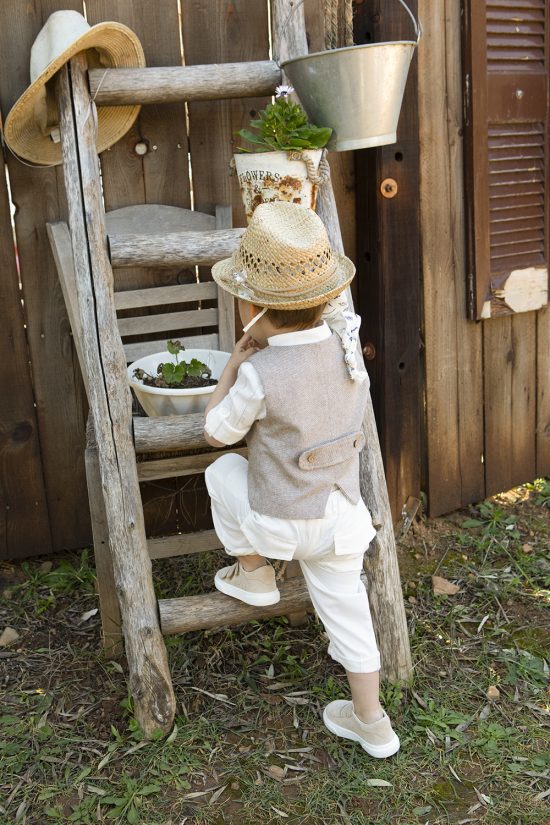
{"x":285,"y":292}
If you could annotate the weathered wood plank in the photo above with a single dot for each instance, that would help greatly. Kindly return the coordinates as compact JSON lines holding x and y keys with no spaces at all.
{"x":156,"y":219}
{"x":385,"y":594}
{"x":510,"y":397}
{"x":161,"y":176}
{"x":143,"y":348}
{"x":147,"y":324}
{"x":454,"y":402}
{"x":213,"y":610}
{"x":213,"y":32}
{"x":170,"y":83}
{"x":110,"y":405}
{"x":543,"y":393}
{"x":111,"y":620}
{"x":169,"y":432}
{"x":226,"y":301}
{"x":342,"y":164}
{"x":174,"y":248}
{"x":181,"y":465}
{"x":24,"y":521}
{"x":59,"y":395}
{"x":180,"y":294}
{"x":167,"y":547}
{"x":389,"y":273}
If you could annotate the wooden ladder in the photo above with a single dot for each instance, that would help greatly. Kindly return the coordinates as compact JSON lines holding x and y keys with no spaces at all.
{"x":85,"y":258}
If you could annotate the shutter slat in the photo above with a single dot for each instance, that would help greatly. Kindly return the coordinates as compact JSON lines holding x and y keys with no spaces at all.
{"x":516,"y":34}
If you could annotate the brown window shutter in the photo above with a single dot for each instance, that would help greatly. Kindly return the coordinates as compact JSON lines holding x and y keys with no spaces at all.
{"x":506,"y":51}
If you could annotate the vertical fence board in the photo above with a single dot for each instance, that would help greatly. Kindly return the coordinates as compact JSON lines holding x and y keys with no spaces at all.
{"x":510,"y":399}
{"x":218,"y":31}
{"x":543,"y":393}
{"x":342,"y":164}
{"x":454,"y":405}
{"x":24,"y":521}
{"x":389,"y":271}
{"x":59,"y":394}
{"x":160,"y":176}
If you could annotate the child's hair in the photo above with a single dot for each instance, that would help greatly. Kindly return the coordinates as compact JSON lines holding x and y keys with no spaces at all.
{"x":295,"y":318}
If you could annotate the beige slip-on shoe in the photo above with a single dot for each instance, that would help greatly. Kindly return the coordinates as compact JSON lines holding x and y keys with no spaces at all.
{"x":257,"y":587}
{"x":377,"y":738}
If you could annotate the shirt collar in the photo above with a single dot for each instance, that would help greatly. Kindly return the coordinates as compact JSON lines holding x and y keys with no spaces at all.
{"x":300,"y":336}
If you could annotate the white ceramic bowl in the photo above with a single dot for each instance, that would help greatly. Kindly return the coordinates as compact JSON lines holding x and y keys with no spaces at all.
{"x":159,"y":401}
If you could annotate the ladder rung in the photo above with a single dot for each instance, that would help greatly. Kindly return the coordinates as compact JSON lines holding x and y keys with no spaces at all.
{"x":167,"y":547}
{"x":164,"y":84}
{"x":169,"y":432}
{"x":213,"y":610}
{"x":174,"y":248}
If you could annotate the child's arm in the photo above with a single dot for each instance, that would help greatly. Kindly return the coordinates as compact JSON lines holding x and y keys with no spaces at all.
{"x":244,"y":348}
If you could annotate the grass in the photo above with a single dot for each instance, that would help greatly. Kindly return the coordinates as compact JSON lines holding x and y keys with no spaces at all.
{"x":249,"y":746}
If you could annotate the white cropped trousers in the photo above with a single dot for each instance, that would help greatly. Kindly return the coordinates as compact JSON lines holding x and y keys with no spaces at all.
{"x":330,"y":552}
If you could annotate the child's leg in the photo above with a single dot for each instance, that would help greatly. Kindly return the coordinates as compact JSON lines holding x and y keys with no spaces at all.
{"x":250,"y":579}
{"x":227,"y":483}
{"x":342,"y":604}
{"x":365,"y":694}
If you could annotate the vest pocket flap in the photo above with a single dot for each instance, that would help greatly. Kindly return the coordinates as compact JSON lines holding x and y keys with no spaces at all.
{"x":333,"y":452}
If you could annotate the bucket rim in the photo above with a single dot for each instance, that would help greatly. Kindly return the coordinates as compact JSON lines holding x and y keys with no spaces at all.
{"x":413,"y":43}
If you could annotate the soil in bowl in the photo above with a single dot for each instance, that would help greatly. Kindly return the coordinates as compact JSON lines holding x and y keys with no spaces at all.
{"x":181,"y":375}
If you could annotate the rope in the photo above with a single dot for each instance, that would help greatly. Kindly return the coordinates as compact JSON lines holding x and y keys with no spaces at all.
{"x":348,"y":23}
{"x":316,"y":177}
{"x":338,"y":23}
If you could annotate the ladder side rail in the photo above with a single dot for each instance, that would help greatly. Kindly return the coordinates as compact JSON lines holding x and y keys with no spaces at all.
{"x":110,"y":405}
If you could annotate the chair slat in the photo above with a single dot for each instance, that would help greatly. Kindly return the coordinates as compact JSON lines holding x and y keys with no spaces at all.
{"x":185,"y":465}
{"x":167,"y":547}
{"x":142,"y":348}
{"x":155,"y":296}
{"x":169,"y":320}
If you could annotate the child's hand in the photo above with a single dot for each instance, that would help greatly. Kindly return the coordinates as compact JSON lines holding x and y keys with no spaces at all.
{"x":244,"y":348}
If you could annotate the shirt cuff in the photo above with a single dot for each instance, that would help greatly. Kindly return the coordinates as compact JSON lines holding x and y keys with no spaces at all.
{"x":220,"y":430}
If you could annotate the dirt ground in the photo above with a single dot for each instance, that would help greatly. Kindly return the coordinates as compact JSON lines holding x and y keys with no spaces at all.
{"x":249,"y":746}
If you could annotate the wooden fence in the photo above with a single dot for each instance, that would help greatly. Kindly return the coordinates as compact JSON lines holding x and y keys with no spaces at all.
{"x":43,"y":499}
{"x":463,"y":407}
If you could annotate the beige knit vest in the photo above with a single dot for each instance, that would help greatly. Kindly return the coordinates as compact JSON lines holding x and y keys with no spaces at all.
{"x":309,"y":441}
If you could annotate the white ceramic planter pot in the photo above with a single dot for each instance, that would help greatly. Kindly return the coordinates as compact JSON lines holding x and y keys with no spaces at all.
{"x":269,"y":176}
{"x":159,"y":401}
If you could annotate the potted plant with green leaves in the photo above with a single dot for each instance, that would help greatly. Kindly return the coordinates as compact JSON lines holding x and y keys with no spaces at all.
{"x":285,"y":162}
{"x":166,"y":384}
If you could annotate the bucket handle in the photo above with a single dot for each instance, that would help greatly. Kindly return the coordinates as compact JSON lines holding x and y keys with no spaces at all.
{"x":416,"y":23}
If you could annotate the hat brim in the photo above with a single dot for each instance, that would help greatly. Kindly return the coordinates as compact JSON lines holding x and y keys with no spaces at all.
{"x":223,"y":272}
{"x":116,"y":42}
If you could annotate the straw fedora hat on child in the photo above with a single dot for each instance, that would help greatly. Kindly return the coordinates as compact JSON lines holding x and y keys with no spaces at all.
{"x":284,"y":260}
{"x":32,"y":129}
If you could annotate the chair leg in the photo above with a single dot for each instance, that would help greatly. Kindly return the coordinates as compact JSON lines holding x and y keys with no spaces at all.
{"x":111,"y":625}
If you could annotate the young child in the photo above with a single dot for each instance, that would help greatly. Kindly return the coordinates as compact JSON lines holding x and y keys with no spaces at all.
{"x":287,"y":388}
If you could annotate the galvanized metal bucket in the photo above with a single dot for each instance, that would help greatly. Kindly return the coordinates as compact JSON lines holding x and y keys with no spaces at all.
{"x":356,"y":90}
